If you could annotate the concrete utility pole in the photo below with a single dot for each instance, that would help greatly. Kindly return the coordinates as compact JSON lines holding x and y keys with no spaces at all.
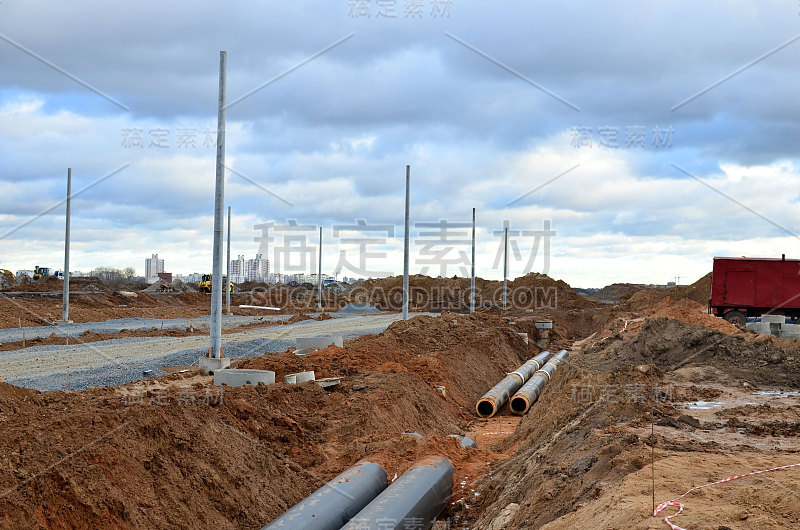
{"x":215,"y":353}
{"x":472,"y":281}
{"x":505,"y":266}
{"x":228,"y":269}
{"x":405,"y":246}
{"x":319,"y":273}
{"x":65,"y":303}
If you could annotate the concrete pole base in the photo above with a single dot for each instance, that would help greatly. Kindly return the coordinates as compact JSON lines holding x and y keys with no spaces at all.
{"x":209,"y":365}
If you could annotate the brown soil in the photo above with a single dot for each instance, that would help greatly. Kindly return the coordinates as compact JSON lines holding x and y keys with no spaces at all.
{"x":699,"y":291}
{"x":580,"y":458}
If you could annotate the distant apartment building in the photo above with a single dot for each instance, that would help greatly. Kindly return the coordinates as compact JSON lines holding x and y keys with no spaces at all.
{"x":249,"y":270}
{"x":152,"y":268}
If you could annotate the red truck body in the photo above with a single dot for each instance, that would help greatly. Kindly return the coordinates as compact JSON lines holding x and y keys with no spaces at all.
{"x":749,"y":287}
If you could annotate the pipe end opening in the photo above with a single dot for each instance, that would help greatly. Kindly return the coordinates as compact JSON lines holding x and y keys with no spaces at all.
{"x":485,"y":408}
{"x":519,"y":405}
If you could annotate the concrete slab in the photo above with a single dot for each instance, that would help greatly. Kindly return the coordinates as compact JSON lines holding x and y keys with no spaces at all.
{"x":209,"y":365}
{"x":773,"y":319}
{"x":322,"y":341}
{"x":329,"y":382}
{"x":543,"y":324}
{"x":302,"y":377}
{"x":304,"y":351}
{"x":524,"y":337}
{"x":291,"y":379}
{"x":790,"y":331}
{"x":241,"y":377}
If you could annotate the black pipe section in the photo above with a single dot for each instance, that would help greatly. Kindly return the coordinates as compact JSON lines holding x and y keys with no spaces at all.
{"x":414,"y":500}
{"x":495,"y":398}
{"x":335,"y":503}
{"x":530,"y":391}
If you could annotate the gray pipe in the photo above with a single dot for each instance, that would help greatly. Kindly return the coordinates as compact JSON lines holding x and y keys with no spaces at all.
{"x":530,"y":391}
{"x":464,"y":441}
{"x":414,"y":500}
{"x":335,"y":503}
{"x":495,"y":398}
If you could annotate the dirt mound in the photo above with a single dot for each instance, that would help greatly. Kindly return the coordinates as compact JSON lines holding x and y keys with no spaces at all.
{"x":7,"y":280}
{"x":699,"y":291}
{"x":614,"y":292}
{"x":691,"y":312}
{"x":672,"y":344}
{"x":298,"y":318}
{"x":532,"y":291}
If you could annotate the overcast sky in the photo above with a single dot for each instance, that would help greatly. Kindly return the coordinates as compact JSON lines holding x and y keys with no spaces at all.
{"x":674,"y":127}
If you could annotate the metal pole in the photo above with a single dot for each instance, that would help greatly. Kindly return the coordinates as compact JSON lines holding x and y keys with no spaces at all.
{"x":65,"y":303}
{"x":405,"y":246}
{"x":472,"y":281}
{"x":228,"y":269}
{"x":219,"y":200}
{"x":319,"y":273}
{"x":505,"y":266}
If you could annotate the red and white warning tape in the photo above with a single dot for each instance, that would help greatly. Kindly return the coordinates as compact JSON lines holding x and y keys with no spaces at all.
{"x":674,"y":502}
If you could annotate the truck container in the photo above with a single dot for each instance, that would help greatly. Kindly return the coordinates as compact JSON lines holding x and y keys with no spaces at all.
{"x":751,"y":287}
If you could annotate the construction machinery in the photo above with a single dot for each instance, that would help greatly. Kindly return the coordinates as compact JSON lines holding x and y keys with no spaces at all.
{"x":6,"y":272}
{"x":40,"y":272}
{"x":205,"y":283}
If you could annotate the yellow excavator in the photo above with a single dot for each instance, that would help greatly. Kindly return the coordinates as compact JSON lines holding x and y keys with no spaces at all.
{"x":205,"y":283}
{"x":40,"y":272}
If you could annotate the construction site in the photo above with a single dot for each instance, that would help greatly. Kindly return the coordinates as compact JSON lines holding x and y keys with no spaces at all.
{"x":532,"y":388}
{"x":651,"y":396}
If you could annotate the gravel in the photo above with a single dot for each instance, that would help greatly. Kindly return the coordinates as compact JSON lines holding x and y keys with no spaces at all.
{"x":118,"y":324}
{"x":120,"y":361}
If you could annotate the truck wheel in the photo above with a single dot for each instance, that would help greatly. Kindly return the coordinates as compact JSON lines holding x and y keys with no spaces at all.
{"x":736,"y":318}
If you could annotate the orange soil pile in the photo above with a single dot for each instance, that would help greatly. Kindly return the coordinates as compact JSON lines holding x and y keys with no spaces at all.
{"x":699,"y":291}
{"x":691,"y":312}
{"x":531,"y":291}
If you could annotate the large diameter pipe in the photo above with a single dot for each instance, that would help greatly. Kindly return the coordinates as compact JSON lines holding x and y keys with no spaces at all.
{"x":335,"y":503}
{"x":414,"y":500}
{"x":495,"y":398}
{"x":530,"y":391}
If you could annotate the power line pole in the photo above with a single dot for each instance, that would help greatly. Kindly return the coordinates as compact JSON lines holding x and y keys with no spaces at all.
{"x":472,"y":281}
{"x":405,"y":245}
{"x":219,"y":200}
{"x":505,"y":266}
{"x":228,"y":269}
{"x":65,"y":302}
{"x":319,"y":273}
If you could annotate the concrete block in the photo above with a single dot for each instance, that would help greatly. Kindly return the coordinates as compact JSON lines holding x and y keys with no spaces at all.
{"x":773,"y":319}
{"x":544,"y":324}
{"x":524,"y":337}
{"x":304,"y":351}
{"x":759,"y":327}
{"x":302,"y":377}
{"x":291,"y":379}
{"x":241,"y":377}
{"x":209,"y":365}
{"x":790,"y":331}
{"x":322,"y":341}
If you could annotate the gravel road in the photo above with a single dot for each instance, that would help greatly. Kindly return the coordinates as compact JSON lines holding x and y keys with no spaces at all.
{"x":118,"y":361}
{"x":118,"y":324}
